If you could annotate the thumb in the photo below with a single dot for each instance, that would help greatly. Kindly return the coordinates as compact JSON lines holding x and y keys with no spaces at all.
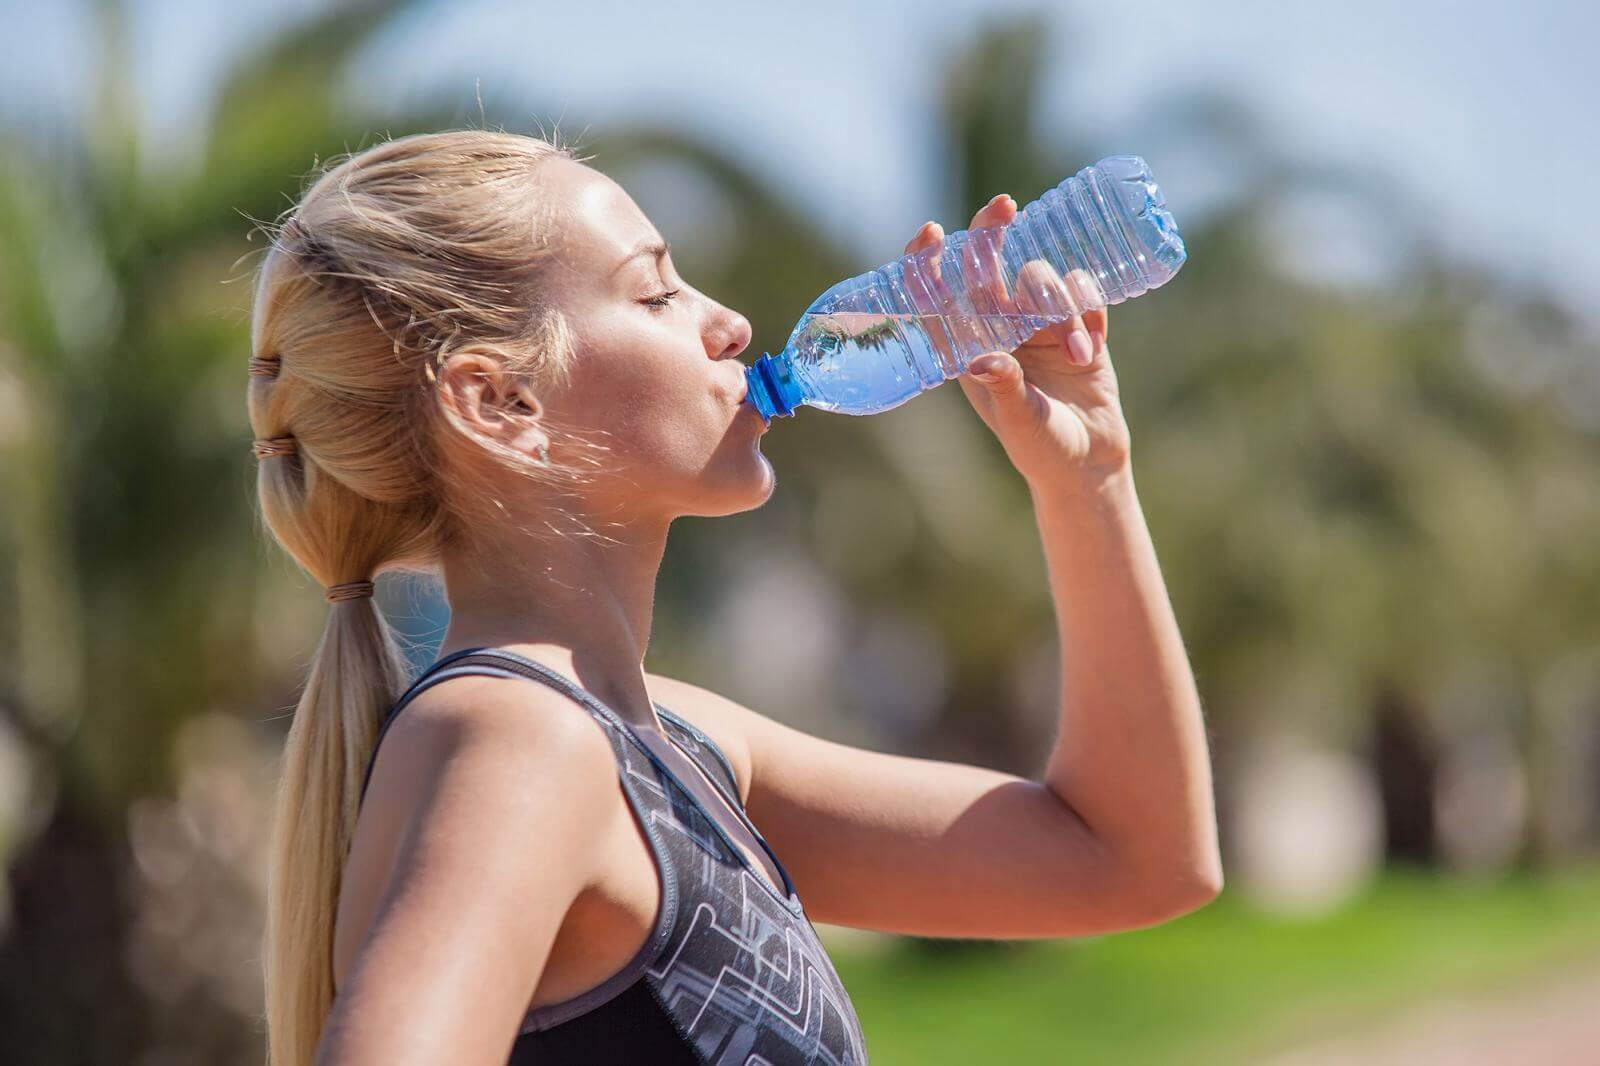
{"x":1001,"y":376}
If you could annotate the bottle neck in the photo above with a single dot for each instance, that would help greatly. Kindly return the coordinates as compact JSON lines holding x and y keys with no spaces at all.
{"x":771,"y":386}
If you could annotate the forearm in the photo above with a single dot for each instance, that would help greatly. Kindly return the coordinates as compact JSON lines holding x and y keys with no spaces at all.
{"x":1130,"y":757}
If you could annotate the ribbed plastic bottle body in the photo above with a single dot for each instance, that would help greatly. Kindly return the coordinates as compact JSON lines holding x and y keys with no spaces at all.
{"x":875,"y":340}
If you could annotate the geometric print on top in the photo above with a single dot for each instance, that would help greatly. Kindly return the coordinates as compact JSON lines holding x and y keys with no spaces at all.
{"x":735,"y":965}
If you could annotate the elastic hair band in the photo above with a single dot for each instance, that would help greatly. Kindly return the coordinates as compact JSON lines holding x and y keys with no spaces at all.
{"x":262,"y":449}
{"x":350,"y":590}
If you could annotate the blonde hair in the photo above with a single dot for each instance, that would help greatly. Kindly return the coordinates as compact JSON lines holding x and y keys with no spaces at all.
{"x":393,"y":259}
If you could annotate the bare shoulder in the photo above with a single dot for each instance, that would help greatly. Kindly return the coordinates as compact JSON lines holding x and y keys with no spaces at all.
{"x":729,"y":723}
{"x":478,"y":764}
{"x":491,"y":807}
{"x":505,"y":726}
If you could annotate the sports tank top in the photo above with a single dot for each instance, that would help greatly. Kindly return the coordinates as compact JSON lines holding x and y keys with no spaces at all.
{"x":732,"y":973}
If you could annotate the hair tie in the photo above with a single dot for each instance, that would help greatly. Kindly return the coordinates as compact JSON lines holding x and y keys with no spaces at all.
{"x":350,"y":590}
{"x":264,"y":366}
{"x":271,"y":446}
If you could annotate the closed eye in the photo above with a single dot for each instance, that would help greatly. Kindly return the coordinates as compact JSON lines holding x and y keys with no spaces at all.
{"x":663,"y":300}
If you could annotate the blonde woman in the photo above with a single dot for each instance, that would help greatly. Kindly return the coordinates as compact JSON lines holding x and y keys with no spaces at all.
{"x":472,"y":355}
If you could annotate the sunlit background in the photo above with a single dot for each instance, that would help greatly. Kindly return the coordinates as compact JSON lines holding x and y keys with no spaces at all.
{"x":1366,"y":419}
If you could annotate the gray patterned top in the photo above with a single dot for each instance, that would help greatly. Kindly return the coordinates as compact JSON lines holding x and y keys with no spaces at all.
{"x":733,"y":973}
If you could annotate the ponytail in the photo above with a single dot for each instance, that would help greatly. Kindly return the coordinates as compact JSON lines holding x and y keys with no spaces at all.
{"x":357,"y":673}
{"x":389,"y":262}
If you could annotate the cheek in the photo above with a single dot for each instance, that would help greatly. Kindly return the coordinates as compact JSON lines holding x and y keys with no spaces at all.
{"x":620,"y":371}
{"x":652,"y":402}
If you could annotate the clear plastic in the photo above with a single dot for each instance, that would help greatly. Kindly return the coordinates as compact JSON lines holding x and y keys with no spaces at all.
{"x":873,"y":341}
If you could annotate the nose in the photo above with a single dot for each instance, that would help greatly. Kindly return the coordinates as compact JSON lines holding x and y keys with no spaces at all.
{"x":730,"y":336}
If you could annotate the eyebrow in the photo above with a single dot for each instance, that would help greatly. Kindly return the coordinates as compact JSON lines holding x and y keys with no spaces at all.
{"x":656,"y":249}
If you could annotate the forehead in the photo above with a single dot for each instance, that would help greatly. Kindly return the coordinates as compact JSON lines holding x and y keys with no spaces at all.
{"x":602,"y":223}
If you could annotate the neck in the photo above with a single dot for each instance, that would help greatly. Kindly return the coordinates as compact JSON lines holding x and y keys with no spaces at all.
{"x":579,"y":604}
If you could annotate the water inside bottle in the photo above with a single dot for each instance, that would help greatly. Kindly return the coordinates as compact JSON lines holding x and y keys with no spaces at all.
{"x":842,"y":334}
{"x":833,"y":350}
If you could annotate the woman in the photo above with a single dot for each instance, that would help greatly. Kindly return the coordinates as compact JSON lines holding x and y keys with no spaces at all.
{"x":472,"y":355}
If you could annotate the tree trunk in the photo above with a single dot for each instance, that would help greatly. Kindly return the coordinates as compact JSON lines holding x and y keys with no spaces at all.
{"x":1405,"y":760}
{"x":65,"y":993}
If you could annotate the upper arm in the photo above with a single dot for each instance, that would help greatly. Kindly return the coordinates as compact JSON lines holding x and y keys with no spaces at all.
{"x":509,"y":793}
{"x":928,"y":847}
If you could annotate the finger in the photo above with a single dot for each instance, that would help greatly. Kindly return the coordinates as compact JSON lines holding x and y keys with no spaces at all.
{"x":1081,"y":347}
{"x":1098,"y":323}
{"x":1067,"y":340}
{"x":1041,"y":291}
{"x":1002,"y":378}
{"x":1000,"y":210}
{"x":928,"y":234}
{"x":1086,"y":293}
{"x":923,"y":281}
{"x":1089,"y":296}
{"x":983,"y":266}
{"x":924,"y":248}
{"x":1044,"y":293}
{"x":924,"y":286}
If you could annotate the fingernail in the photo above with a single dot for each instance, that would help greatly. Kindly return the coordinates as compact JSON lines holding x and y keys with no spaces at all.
{"x":1078,"y":344}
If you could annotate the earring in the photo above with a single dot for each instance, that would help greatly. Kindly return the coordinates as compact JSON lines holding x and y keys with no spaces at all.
{"x":543,"y":452}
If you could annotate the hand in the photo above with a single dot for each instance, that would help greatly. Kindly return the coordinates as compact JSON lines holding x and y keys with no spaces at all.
{"x":1053,"y":401}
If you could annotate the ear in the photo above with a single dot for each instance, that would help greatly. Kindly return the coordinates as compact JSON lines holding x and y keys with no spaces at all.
{"x":475,"y":386}
{"x":531,"y":435}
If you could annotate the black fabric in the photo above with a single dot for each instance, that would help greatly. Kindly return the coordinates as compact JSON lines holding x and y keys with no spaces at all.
{"x":733,"y":973}
{"x":632,"y":1028}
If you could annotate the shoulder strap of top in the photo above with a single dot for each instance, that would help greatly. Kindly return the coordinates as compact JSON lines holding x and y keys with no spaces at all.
{"x":437,"y":672}
{"x":480,"y":662}
{"x":498,"y":662}
{"x":718,"y":768}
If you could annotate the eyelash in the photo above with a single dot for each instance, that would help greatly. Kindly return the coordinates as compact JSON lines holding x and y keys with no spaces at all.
{"x":663,"y":300}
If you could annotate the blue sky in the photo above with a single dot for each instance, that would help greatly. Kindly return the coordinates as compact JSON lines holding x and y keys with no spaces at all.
{"x":1483,"y":112}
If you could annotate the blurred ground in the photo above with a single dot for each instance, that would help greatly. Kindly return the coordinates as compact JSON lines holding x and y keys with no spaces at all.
{"x":1420,"y":968}
{"x":1549,"y":1020}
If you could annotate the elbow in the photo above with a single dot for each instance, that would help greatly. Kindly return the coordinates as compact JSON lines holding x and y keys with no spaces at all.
{"x":1180,"y":876}
{"x":1192,"y":888}
{"x":1203,"y":885}
{"x":1171,"y":892}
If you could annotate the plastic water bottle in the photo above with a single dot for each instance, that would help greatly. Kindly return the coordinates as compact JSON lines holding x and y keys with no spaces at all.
{"x":873,"y":341}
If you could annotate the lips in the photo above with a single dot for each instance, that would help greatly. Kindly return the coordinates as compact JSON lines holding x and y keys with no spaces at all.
{"x":747,"y":408}
{"x":744,"y":404}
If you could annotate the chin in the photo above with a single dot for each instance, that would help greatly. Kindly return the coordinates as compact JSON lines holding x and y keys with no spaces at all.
{"x":745,"y":488}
